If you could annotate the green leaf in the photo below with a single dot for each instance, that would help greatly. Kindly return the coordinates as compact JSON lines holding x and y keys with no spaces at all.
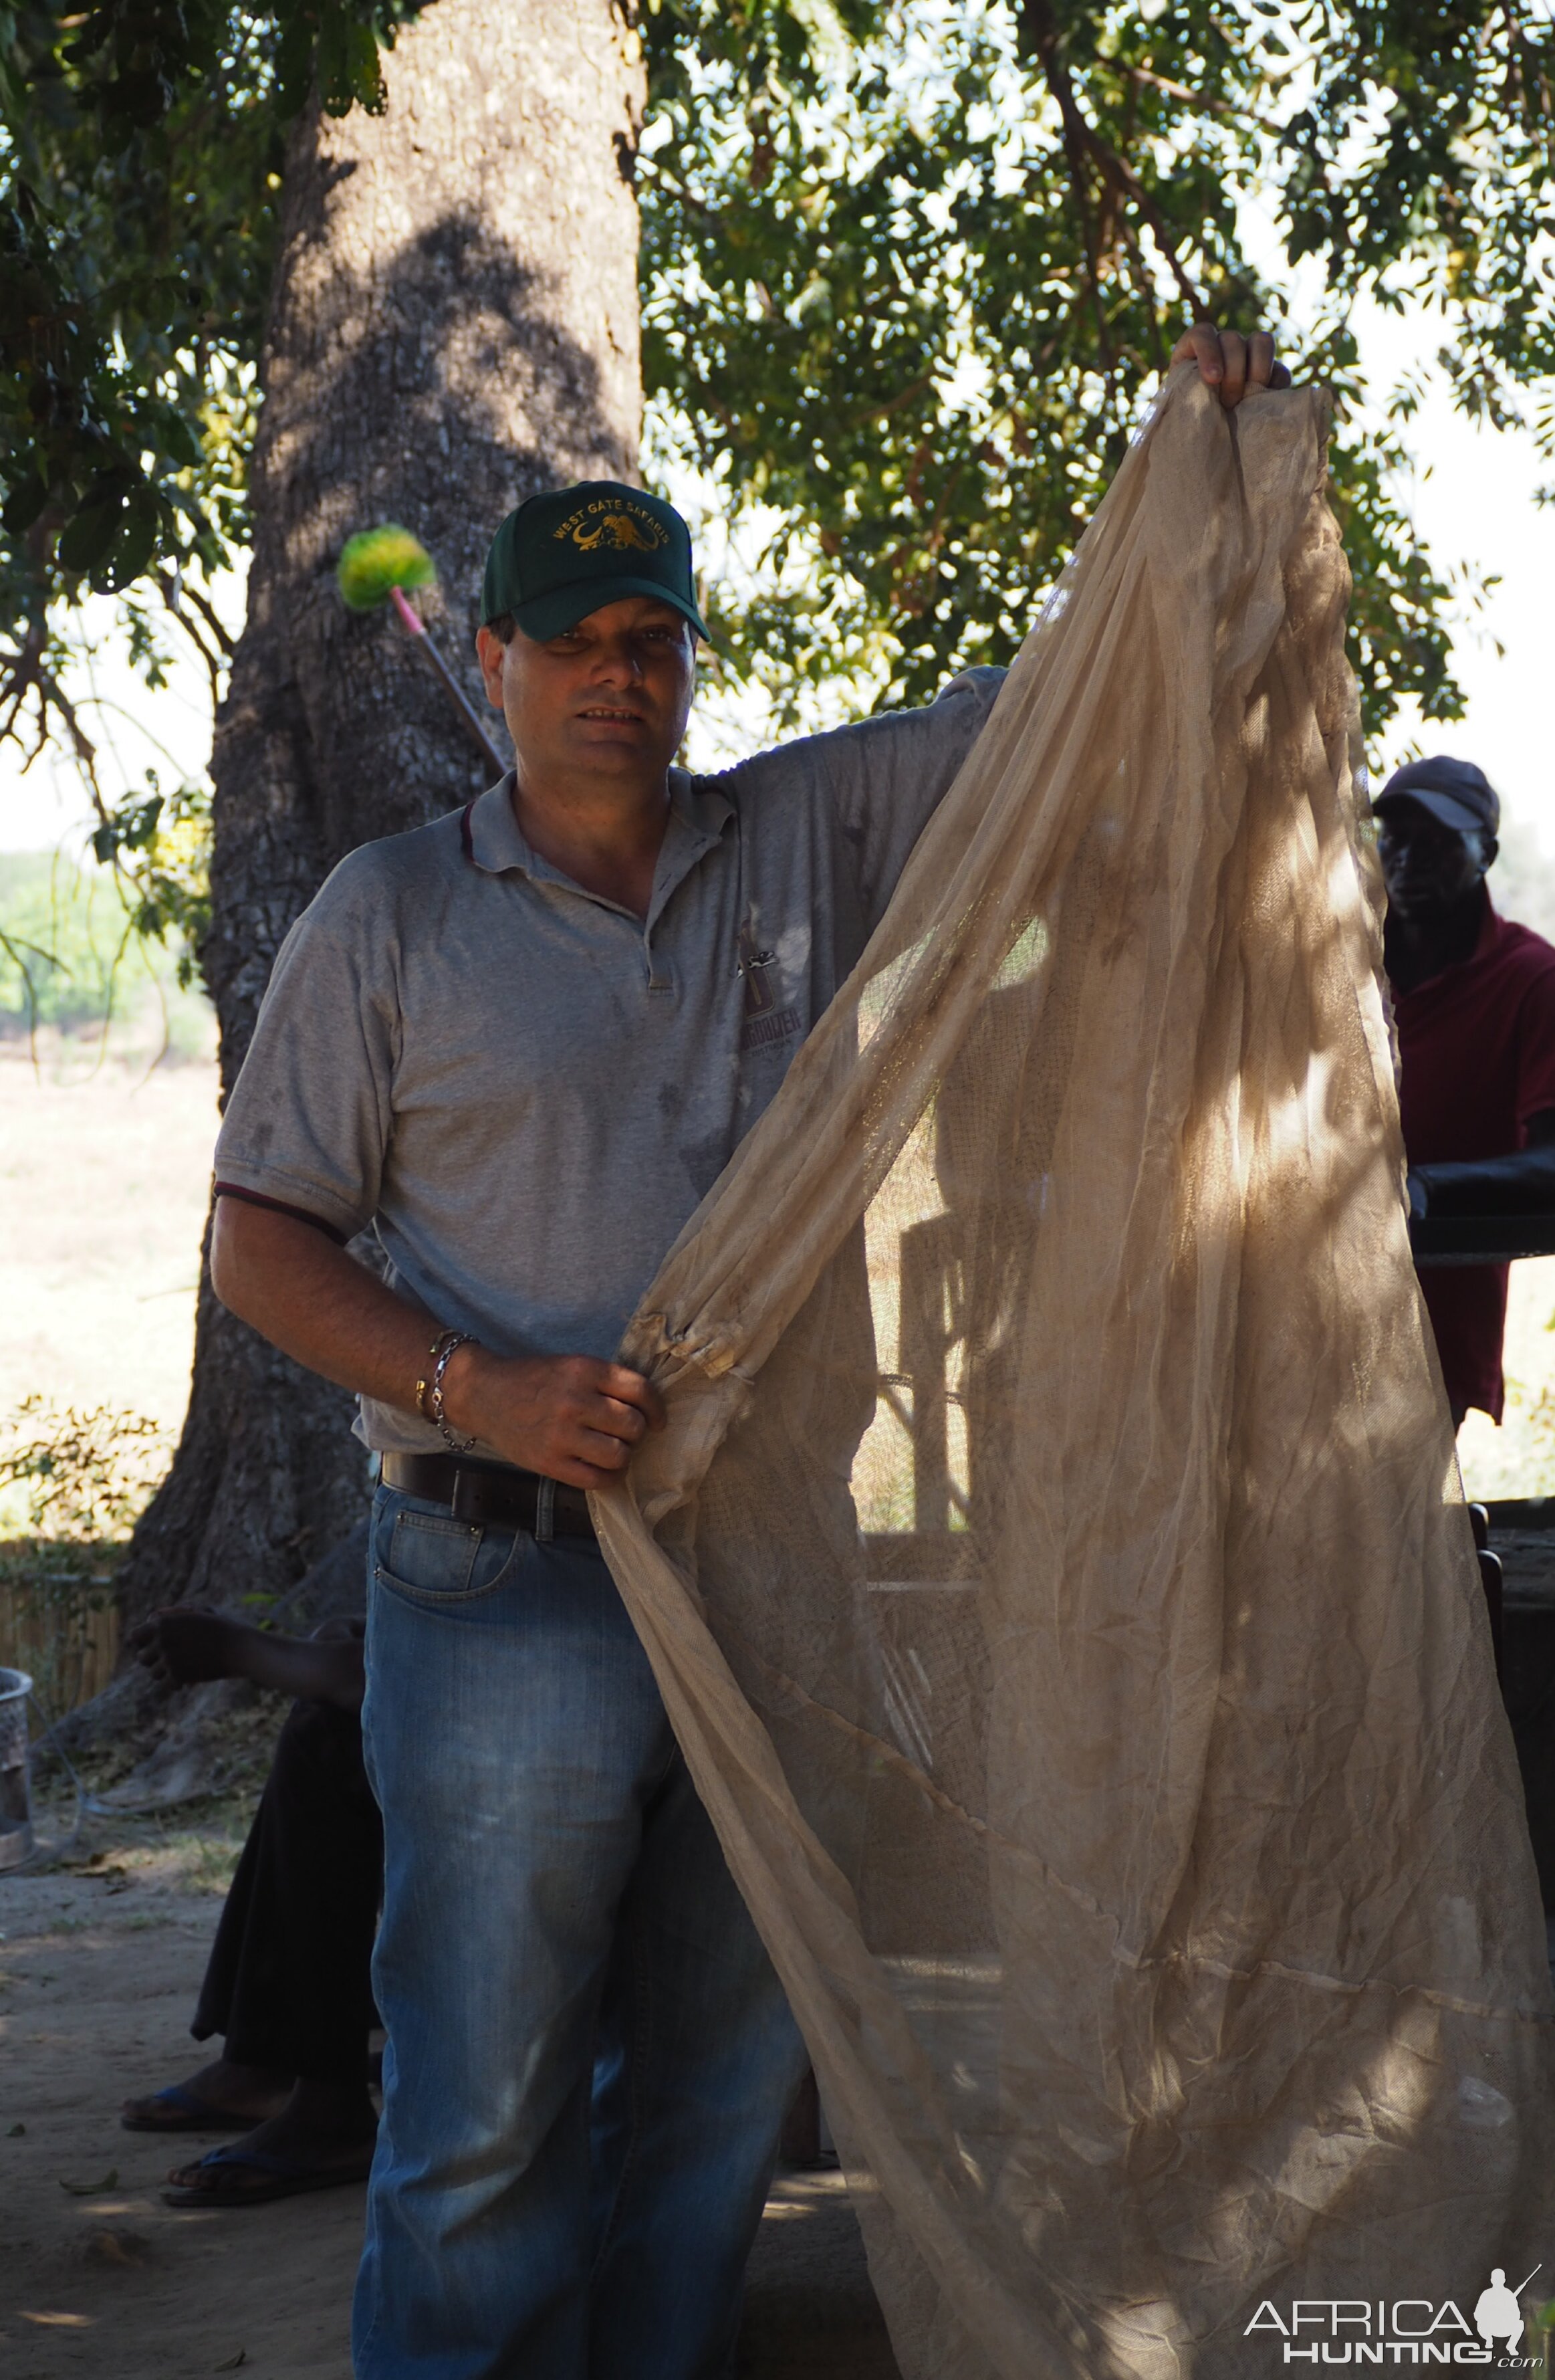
{"x":88,"y":535}
{"x":178,"y":441}
{"x":348,"y":70}
{"x":136,"y":542}
{"x":294,"y":66}
{"x":24,"y":504}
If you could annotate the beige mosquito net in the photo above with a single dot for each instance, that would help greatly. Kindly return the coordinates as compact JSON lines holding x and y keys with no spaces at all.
{"x":1056,"y":1567}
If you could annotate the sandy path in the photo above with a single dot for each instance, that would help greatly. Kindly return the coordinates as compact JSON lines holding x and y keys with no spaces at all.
{"x":106,"y":2283}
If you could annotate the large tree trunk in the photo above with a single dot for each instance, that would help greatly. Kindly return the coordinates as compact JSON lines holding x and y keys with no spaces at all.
{"x":454,"y":325}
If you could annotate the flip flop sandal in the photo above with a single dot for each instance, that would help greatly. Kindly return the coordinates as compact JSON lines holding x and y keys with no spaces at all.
{"x":277,"y":2176}
{"x":184,"y":2113}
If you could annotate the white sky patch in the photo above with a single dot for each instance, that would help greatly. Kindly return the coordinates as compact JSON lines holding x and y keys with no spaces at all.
{"x":45,"y":805}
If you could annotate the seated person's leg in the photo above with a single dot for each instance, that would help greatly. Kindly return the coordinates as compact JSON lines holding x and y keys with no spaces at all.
{"x":297,"y":1929}
{"x":229,"y":2093}
{"x":301,"y":1986}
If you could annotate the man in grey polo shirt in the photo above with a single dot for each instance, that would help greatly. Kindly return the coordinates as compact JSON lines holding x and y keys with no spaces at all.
{"x":520,"y":1044}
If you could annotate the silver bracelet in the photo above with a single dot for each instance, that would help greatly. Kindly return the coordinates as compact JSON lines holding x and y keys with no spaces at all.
{"x":428,"y":1393}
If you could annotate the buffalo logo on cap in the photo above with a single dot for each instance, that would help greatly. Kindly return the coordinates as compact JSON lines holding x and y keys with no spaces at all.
{"x":611,"y":525}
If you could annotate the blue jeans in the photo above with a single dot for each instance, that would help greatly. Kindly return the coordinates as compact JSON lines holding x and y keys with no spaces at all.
{"x":589,"y":2054}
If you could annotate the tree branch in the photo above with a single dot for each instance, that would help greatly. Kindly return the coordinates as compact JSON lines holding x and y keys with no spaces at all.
{"x":22,"y":675}
{"x":177,"y":592}
{"x":174,"y":594}
{"x":894,"y":404}
{"x":1195,"y":98}
{"x":1081,"y":140}
{"x":1041,"y":35}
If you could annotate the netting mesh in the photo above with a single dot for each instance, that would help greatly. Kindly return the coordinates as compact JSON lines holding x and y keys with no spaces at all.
{"x":1055,"y":1566}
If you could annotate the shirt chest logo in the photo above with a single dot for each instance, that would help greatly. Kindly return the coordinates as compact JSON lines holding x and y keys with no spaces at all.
{"x":766,"y":1024}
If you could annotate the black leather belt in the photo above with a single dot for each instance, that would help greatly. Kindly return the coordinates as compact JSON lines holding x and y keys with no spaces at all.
{"x":483,"y":1493}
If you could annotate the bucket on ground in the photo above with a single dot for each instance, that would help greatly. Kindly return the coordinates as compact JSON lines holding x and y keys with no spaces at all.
{"x":16,"y":1801}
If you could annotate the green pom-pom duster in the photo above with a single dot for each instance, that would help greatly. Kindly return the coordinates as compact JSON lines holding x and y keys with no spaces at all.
{"x":375,"y":567}
{"x":376,"y":560}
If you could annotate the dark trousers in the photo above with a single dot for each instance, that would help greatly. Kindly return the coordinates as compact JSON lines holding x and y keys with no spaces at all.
{"x":288,"y":1982}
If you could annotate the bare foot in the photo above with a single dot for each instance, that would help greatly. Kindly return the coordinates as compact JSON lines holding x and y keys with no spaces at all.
{"x":220,"y":2094}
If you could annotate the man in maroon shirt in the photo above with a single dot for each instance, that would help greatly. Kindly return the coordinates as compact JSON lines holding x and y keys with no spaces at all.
{"x":1473,"y":997}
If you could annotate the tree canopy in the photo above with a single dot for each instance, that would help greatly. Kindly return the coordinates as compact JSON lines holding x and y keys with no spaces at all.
{"x":905,"y":272}
{"x":907,"y":269}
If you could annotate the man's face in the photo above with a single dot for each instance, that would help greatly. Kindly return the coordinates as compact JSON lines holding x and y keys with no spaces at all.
{"x":1428,"y":868}
{"x":608,"y":698}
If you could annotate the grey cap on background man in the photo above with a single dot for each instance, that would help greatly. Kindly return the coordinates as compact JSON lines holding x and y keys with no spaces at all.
{"x":1454,"y":791}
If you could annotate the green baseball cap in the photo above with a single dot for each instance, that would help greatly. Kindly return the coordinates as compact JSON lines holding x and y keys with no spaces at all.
{"x":563,"y":555}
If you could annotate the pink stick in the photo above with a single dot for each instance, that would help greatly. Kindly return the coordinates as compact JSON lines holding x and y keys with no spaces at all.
{"x":410,"y":620}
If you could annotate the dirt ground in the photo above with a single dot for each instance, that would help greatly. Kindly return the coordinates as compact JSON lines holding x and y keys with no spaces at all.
{"x":99,"y":2280}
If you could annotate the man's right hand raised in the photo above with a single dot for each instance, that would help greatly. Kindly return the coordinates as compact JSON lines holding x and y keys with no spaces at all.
{"x":571,"y":1418}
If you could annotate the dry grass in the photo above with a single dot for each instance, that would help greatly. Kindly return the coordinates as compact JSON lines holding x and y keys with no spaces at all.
{"x":104,"y":1176}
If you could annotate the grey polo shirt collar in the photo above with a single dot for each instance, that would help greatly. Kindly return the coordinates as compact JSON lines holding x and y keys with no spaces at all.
{"x":524,"y":1093}
{"x":698,"y":816}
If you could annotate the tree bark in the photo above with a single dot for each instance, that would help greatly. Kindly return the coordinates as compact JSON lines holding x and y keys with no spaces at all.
{"x":454,"y":325}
